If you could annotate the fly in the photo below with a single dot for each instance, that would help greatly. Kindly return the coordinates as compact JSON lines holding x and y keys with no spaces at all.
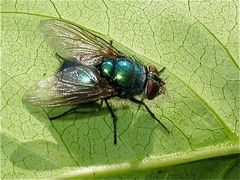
{"x":92,"y":70}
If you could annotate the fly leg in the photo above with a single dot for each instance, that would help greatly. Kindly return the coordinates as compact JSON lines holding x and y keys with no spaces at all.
{"x":68,"y":112}
{"x":60,"y":58}
{"x":114,"y":118}
{"x":162,"y":70}
{"x":111,"y":42}
{"x":149,"y":111}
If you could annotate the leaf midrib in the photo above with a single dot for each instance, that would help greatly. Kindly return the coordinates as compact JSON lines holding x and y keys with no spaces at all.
{"x":151,"y":162}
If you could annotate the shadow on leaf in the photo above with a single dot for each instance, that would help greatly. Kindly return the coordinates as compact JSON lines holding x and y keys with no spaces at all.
{"x":85,"y":137}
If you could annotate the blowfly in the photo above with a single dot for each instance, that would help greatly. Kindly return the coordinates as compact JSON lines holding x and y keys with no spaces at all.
{"x":92,"y":70}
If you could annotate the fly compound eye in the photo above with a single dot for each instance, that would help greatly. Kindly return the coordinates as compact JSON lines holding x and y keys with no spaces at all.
{"x":151,"y":90}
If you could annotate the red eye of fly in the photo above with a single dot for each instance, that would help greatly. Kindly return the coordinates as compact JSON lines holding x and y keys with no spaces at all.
{"x":151,"y":90}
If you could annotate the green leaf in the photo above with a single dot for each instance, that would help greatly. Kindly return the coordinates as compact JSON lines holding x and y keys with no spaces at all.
{"x":198,"y":44}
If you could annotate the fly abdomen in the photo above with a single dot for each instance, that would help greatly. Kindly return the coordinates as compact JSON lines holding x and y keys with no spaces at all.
{"x":124,"y":73}
{"x":107,"y":68}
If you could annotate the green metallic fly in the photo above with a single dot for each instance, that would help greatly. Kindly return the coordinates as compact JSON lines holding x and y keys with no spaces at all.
{"x":92,"y":70}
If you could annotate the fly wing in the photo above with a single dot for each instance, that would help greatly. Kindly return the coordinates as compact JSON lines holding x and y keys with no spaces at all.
{"x":71,"y":86}
{"x":74,"y":43}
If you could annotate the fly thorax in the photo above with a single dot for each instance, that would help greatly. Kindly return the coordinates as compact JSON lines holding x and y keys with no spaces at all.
{"x":129,"y":75}
{"x":124,"y":74}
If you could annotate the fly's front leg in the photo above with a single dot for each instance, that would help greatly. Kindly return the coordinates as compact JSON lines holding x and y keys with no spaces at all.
{"x":149,"y":111}
{"x":114,"y":118}
{"x":162,"y":70}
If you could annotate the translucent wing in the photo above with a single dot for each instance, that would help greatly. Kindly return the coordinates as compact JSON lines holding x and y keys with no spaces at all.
{"x":74,"y":43}
{"x":73,"y":85}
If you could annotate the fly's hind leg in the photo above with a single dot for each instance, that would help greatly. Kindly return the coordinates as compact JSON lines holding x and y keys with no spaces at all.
{"x":68,"y":112}
{"x":149,"y":111}
{"x":92,"y":105}
{"x":114,"y":118}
